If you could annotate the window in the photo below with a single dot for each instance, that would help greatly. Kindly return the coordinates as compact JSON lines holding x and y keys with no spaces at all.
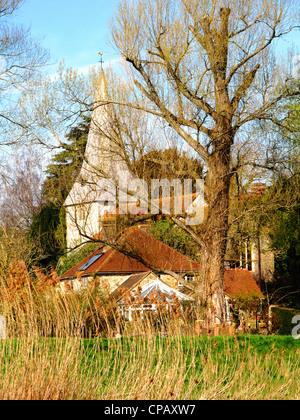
{"x":91,"y":262}
{"x":189,"y":278}
{"x":81,"y":213}
{"x":84,"y":283}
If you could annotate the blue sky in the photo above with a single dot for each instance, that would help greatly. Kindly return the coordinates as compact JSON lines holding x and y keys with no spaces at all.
{"x":75,"y":30}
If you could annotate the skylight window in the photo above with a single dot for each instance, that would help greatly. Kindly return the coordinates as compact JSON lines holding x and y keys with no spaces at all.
{"x":91,"y":262}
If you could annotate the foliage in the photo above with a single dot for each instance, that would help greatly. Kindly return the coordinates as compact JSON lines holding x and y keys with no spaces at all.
{"x":72,"y":258}
{"x":47,"y":236}
{"x":284,"y":231}
{"x":248,"y":302}
{"x":20,"y":188}
{"x":22,"y":59}
{"x":65,"y":165}
{"x":283,"y":318}
{"x":24,"y":295}
{"x":150,"y":368}
{"x":48,"y":229}
{"x":13,"y":246}
{"x":168,"y":164}
{"x":285,"y":221}
{"x":286,"y":240}
{"x":167,"y":232}
{"x":49,"y":353}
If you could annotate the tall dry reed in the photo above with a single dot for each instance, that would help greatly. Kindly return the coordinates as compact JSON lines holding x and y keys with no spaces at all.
{"x":62,"y":347}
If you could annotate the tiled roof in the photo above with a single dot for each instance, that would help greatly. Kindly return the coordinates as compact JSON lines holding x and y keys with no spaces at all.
{"x":236,"y":282}
{"x":132,"y":281}
{"x":136,"y":252}
{"x":139,"y":248}
{"x":74,"y":271}
{"x":240,"y":282}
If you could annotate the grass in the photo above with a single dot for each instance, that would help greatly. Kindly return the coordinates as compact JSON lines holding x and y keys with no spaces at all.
{"x":47,"y":356}
{"x":181,"y":368}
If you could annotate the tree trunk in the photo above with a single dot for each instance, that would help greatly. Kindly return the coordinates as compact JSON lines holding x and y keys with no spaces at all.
{"x":215,"y":233}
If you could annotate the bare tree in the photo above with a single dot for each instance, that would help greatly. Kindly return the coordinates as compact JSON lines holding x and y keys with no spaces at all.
{"x":21,"y":198}
{"x":21,"y":59}
{"x":207,"y":69}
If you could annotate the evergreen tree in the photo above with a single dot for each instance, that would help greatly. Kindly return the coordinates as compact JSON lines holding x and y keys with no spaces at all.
{"x":65,"y":165}
{"x":168,"y":164}
{"x":46,"y":235}
{"x":48,"y":229}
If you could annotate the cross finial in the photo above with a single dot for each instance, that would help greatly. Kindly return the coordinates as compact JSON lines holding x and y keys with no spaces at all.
{"x":101,"y":59}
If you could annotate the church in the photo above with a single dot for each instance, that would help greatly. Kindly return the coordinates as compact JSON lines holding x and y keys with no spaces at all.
{"x":89,"y":201}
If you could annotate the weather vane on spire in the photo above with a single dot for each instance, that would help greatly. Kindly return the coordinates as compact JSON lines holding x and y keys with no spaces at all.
{"x":101,"y":59}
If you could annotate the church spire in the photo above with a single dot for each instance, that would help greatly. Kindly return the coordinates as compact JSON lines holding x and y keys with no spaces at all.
{"x":104,"y":154}
{"x":101,"y":59}
{"x":98,"y":143}
{"x":103,"y":165}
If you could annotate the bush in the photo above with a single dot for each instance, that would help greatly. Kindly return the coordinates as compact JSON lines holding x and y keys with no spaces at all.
{"x":283,"y":318}
{"x":72,"y":258}
{"x":167,"y":232}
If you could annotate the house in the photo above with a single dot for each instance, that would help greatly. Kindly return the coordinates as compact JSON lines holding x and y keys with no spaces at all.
{"x":134,"y":252}
{"x":237,"y":283}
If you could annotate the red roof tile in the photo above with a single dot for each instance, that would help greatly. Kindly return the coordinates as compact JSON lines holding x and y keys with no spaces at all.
{"x":240,"y":282}
{"x":74,"y":271}
{"x":135,"y":251}
{"x":139,"y":248}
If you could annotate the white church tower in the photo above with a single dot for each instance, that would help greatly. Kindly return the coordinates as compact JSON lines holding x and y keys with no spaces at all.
{"x":91,"y":197}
